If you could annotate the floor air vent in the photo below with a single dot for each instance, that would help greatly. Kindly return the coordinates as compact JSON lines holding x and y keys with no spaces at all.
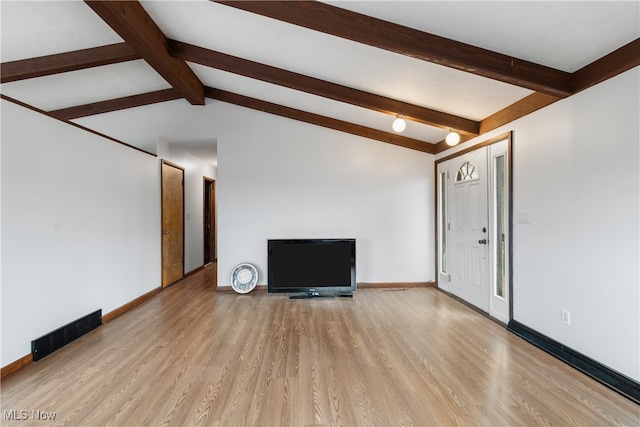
{"x":52,"y":341}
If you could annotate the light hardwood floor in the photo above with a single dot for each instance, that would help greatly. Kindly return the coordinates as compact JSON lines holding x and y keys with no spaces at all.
{"x":194,"y":356}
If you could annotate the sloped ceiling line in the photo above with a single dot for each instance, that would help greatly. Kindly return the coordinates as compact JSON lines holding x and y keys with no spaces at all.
{"x":37,"y":110}
{"x":315,"y":119}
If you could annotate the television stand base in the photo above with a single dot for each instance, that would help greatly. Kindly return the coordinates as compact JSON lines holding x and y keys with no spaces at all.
{"x":304,"y":295}
{"x":345,"y":294}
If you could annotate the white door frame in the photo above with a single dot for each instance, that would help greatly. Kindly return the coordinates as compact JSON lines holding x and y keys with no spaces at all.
{"x":500,"y":308}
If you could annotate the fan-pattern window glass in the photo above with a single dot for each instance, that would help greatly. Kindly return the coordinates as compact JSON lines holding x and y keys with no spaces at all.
{"x":467,"y":172}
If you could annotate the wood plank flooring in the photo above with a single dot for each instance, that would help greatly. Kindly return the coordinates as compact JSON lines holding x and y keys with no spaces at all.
{"x":416,"y":357}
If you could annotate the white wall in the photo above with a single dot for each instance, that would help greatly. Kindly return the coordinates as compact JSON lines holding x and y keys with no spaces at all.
{"x":278,"y":178}
{"x":80,"y":226}
{"x":576,"y":170}
{"x":194,"y":172}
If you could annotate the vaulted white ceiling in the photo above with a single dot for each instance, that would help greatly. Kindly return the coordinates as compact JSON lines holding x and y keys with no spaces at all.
{"x":565,"y":36}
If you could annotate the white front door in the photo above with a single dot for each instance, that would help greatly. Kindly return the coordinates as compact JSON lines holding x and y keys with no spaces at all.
{"x":473,"y":228}
{"x":469,"y":228}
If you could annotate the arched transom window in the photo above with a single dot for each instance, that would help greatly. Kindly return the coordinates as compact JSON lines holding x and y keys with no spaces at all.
{"x":467,"y":172}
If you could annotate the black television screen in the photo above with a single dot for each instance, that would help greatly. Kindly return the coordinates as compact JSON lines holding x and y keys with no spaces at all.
{"x":312,"y":266}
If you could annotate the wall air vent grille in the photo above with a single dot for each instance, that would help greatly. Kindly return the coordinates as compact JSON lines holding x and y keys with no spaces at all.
{"x":54,"y":340}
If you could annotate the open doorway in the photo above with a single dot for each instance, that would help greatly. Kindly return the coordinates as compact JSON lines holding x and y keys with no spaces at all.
{"x":209,"y":216}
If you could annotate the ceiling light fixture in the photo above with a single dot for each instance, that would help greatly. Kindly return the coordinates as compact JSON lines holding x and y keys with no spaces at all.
{"x":399,"y":124}
{"x":452,"y":138}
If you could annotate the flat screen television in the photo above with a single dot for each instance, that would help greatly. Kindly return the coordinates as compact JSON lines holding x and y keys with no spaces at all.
{"x":307,"y":268}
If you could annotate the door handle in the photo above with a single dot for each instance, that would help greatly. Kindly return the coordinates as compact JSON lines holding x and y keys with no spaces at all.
{"x":165,"y":232}
{"x":483,"y":241}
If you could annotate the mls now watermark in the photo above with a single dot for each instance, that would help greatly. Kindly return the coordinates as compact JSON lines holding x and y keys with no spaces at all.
{"x":24,"y":415}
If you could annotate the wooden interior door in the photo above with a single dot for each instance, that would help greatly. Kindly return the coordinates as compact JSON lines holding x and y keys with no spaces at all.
{"x":209,"y":220}
{"x":172,"y":223}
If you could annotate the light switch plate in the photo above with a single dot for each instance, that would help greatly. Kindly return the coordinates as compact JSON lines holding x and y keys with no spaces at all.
{"x":523,"y":217}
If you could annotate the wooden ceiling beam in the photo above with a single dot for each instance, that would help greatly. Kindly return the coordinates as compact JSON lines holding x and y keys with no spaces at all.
{"x":411,"y":42}
{"x":319,"y":87}
{"x":64,"y":62}
{"x":318,"y":120}
{"x":115,"y":104}
{"x":618,"y":61}
{"x":135,"y":26}
{"x":518,"y":109}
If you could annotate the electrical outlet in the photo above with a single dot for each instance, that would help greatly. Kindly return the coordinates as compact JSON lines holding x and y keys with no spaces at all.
{"x":566,"y":317}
